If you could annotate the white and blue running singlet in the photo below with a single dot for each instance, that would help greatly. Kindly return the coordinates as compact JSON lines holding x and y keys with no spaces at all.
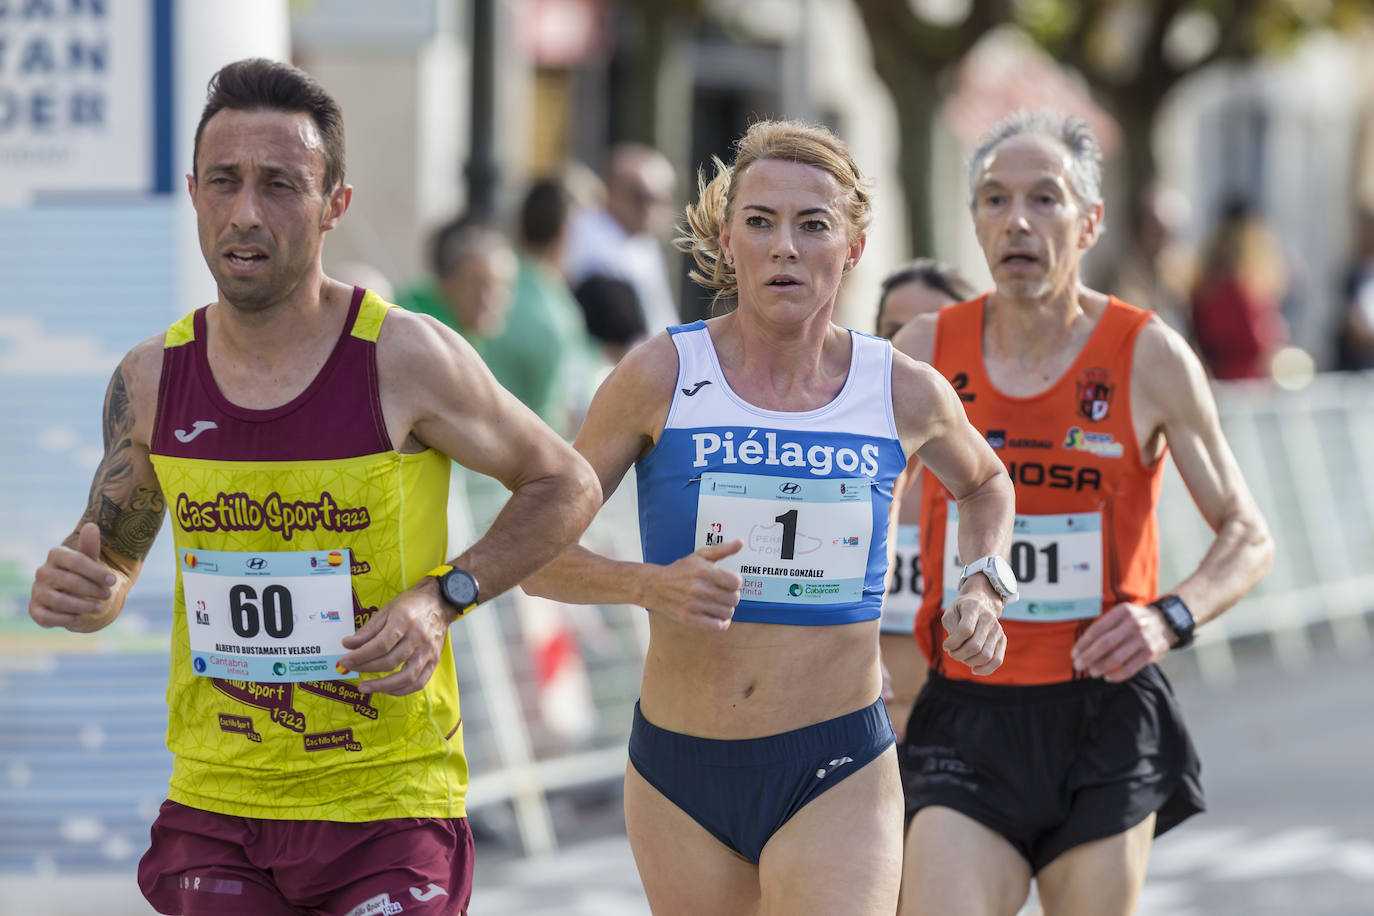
{"x":806,"y":491}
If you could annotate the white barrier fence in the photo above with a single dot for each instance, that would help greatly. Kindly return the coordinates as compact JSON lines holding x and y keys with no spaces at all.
{"x":547,"y":693}
{"x":1308,"y":456}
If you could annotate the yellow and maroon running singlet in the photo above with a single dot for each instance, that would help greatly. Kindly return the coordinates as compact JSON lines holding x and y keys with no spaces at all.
{"x":309,"y":487}
{"x":1086,"y":537}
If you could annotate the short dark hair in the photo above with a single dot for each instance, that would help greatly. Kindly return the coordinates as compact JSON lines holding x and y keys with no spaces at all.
{"x":257,"y":83}
{"x":932,"y":274}
{"x":465,"y":234}
{"x":611,"y":308}
{"x":545,"y":211}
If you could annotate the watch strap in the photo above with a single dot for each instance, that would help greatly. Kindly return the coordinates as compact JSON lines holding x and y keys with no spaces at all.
{"x":1178,"y":616}
{"x":439,"y":572}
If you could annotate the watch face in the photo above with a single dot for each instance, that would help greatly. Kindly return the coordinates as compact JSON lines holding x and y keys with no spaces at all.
{"x":460,"y":588}
{"x":1007,"y":578}
{"x":1179,"y":616}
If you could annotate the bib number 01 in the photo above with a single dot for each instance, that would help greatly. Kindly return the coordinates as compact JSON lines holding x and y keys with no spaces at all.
{"x":1057,"y":560}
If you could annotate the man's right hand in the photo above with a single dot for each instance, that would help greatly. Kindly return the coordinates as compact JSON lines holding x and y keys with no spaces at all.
{"x":71,"y":588}
{"x":975,"y":630}
{"x":696,"y":590}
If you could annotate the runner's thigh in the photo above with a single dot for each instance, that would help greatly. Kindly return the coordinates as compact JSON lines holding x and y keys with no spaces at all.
{"x":956,"y":865}
{"x":684,"y":869}
{"x":841,"y":854}
{"x":1100,"y":878}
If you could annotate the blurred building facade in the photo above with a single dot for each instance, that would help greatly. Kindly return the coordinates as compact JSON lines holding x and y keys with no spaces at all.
{"x":574,"y":76}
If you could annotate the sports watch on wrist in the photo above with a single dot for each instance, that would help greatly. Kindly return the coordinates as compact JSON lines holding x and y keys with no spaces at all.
{"x":1177,"y":616}
{"x":999,"y":574}
{"x":457,"y":587}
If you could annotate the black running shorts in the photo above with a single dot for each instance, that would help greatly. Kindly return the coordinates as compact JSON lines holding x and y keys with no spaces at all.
{"x":1052,"y":766}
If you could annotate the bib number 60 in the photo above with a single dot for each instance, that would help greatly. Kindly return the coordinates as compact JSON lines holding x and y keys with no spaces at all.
{"x":275,"y":615}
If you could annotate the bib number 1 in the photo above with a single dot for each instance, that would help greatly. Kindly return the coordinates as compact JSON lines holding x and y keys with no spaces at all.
{"x":806,"y":542}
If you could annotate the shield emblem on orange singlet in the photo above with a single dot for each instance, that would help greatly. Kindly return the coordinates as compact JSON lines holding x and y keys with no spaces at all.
{"x":1094,"y":399}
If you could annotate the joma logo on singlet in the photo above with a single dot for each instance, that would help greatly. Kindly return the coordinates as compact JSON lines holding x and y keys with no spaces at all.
{"x":818,"y":459}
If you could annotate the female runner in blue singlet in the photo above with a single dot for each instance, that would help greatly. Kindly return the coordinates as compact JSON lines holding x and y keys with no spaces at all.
{"x":765,"y":441}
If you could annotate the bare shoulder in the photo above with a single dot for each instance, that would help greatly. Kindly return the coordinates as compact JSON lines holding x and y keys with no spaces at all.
{"x":1167,"y":377}
{"x":135,"y":382}
{"x":650,"y":369}
{"x":636,"y":395}
{"x":922,"y":400}
{"x":412,"y":347}
{"x":917,"y":337}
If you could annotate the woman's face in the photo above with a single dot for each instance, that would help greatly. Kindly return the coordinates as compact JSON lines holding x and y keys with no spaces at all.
{"x":788,"y":237}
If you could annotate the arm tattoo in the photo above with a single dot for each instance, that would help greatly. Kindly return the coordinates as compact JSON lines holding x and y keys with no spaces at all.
{"x":125,"y":500}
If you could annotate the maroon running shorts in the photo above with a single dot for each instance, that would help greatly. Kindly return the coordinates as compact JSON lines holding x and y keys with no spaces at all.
{"x":207,"y":864}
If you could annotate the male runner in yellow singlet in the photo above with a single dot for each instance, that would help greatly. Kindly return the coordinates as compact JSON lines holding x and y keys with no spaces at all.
{"x":300,"y":430}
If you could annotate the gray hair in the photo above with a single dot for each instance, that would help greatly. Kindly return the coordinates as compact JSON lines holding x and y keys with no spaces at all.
{"x":1085,"y":172}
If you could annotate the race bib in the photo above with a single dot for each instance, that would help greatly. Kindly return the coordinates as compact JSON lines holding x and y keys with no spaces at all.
{"x":903,"y":598}
{"x":805,"y":541}
{"x":1057,"y":560}
{"x":267,"y":617}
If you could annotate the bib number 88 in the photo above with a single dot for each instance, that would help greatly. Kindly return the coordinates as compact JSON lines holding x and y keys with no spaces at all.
{"x":275,"y":616}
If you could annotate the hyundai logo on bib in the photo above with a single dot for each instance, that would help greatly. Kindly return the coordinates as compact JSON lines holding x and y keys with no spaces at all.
{"x":255,"y":563}
{"x":789,"y":488}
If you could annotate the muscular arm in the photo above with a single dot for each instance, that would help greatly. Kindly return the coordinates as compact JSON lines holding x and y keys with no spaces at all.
{"x":932,"y":423}
{"x":1172,"y":403}
{"x":455,"y":405}
{"x":948,"y":444}
{"x":622,"y":423}
{"x":84,"y":583}
{"x":1171,"y":393}
{"x":437,"y":392}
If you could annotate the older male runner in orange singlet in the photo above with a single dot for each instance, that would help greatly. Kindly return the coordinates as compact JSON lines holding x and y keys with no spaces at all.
{"x":1065,"y":762}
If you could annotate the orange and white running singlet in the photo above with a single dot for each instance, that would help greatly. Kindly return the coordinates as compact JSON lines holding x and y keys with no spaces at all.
{"x":1086,"y":537}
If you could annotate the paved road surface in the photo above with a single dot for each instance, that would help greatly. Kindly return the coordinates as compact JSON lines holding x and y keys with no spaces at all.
{"x":1288,"y":759}
{"x":1288,"y":765}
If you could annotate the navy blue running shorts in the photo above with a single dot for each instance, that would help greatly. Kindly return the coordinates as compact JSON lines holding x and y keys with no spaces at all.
{"x":743,"y":791}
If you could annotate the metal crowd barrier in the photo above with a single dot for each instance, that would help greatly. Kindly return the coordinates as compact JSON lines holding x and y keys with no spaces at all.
{"x":1308,"y":456}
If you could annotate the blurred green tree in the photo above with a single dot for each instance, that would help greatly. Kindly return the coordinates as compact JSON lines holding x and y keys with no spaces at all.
{"x":1131,"y":52}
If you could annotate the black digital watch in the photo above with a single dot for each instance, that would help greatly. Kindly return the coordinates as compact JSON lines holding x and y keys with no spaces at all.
{"x":1178,"y":617}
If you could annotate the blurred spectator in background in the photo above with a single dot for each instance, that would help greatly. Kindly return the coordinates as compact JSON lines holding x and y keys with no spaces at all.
{"x":544,"y":356}
{"x":472,"y":267}
{"x":1355,"y":335}
{"x":1236,"y":313}
{"x":613,"y":315}
{"x":923,"y":286}
{"x":1157,"y":269}
{"x":622,"y":238}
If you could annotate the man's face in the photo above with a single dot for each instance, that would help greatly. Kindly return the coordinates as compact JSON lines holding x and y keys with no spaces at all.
{"x":640,"y":195}
{"x":478,"y":290}
{"x":1028,"y":222}
{"x":261,"y":208}
{"x":905,"y":302}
